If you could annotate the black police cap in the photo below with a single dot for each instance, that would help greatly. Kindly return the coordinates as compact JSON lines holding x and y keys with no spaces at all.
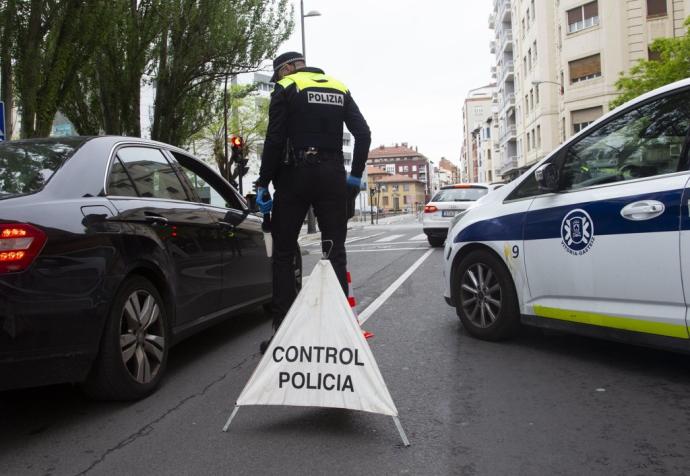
{"x":282,"y":60}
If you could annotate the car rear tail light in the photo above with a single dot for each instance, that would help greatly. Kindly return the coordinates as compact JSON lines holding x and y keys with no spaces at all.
{"x":430,"y":209}
{"x":19,"y":246}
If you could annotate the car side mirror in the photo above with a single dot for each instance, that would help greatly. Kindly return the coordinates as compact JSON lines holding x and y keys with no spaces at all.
{"x":547,"y":177}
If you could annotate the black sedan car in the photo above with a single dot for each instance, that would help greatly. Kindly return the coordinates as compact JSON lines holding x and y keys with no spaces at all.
{"x":112,"y":249}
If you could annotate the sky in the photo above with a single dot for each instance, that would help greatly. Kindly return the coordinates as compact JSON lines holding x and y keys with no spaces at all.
{"x":409,"y":64}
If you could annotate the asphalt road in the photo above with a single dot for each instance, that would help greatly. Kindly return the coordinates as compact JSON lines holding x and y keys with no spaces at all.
{"x":539,"y":404}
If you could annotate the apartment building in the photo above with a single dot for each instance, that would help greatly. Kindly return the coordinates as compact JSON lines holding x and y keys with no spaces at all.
{"x":596,"y":40}
{"x":478,"y":105}
{"x":487,"y":147}
{"x":402,"y":159}
{"x":452,"y":170}
{"x":505,"y":98}
{"x":567,"y":56}
{"x":396,"y":192}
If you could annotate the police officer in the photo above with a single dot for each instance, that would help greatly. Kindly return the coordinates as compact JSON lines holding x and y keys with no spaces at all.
{"x":303,"y":158}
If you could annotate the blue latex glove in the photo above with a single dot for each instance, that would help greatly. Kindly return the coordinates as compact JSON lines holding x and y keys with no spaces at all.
{"x":353,"y":181}
{"x":263,"y":199}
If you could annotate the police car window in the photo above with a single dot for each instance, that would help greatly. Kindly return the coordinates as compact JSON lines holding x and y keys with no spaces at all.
{"x":207,"y":184}
{"x":152,"y":174}
{"x":645,"y":142}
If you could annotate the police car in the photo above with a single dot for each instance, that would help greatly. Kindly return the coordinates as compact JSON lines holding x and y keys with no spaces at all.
{"x":593,"y":239}
{"x":445,"y":204}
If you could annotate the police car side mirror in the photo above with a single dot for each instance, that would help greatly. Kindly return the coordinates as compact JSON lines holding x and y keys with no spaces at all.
{"x":547,"y":177}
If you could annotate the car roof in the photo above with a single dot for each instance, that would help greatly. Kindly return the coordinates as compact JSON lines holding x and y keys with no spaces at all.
{"x":465,"y":185}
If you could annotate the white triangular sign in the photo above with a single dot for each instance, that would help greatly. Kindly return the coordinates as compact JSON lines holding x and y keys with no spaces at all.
{"x":318,"y":357}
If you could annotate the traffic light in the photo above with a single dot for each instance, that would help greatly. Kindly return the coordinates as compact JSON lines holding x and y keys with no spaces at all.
{"x":237,"y":145}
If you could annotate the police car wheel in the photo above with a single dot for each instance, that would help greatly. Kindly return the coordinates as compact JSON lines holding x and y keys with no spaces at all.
{"x":485,"y":295}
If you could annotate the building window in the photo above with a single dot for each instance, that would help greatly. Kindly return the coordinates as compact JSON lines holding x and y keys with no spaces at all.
{"x":528,"y":18}
{"x":531,"y":98}
{"x":539,"y":137}
{"x":406,"y":187}
{"x":414,"y":168}
{"x":563,"y":130}
{"x":536,"y":93}
{"x":656,"y":8}
{"x":582,"y":17}
{"x":385,"y":201}
{"x":526,"y":105}
{"x":584,"y":117}
{"x":534,"y":52}
{"x":528,"y":143}
{"x":529,"y":58}
{"x":585,"y":68}
{"x":478,"y":110}
{"x":653,"y":55}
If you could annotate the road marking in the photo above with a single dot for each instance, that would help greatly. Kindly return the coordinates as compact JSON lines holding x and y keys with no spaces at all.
{"x":420,"y":237}
{"x":378,"y":302}
{"x":360,"y":238}
{"x":408,"y":243}
{"x":388,"y":238}
{"x":376,"y":250}
{"x":351,"y":240}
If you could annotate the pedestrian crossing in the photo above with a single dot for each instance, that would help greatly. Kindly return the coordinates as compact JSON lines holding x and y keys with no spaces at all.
{"x":381,"y":240}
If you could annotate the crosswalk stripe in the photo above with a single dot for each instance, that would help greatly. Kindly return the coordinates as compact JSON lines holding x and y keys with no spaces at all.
{"x":420,"y":237}
{"x":388,"y":238}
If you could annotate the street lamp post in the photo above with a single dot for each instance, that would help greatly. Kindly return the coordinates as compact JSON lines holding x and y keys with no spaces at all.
{"x":311,"y":221}
{"x":539,"y":81}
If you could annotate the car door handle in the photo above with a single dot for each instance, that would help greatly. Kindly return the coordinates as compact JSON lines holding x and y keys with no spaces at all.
{"x":156,"y":219}
{"x":643,"y":210}
{"x":226,"y":226}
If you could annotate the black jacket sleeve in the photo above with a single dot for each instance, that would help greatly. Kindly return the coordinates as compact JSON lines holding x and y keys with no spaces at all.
{"x":359,"y":128}
{"x":276,"y":137}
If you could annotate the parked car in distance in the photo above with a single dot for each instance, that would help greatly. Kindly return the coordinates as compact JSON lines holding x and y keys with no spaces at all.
{"x":445,"y":204}
{"x":113,"y":249}
{"x":594,"y":239}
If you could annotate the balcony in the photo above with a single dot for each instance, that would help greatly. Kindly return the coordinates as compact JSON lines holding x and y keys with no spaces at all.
{"x":503,"y":11}
{"x":492,"y":21}
{"x":506,"y":40}
{"x":492,"y":46}
{"x":493,"y":72}
{"x":509,"y":133}
{"x":508,"y":102}
{"x":507,"y":71}
{"x":509,"y":164}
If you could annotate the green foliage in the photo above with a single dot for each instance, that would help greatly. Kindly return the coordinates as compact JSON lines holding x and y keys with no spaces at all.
{"x":205,"y":41}
{"x":51,"y":39}
{"x":673,"y":65}
{"x":247,"y":117}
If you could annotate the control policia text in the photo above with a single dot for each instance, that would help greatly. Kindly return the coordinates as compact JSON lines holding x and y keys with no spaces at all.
{"x":317,"y":355}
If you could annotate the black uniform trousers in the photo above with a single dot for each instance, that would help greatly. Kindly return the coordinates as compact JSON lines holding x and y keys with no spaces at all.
{"x":320,"y":182}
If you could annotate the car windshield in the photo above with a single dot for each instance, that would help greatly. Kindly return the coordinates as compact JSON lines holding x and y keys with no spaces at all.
{"x":26,"y":166}
{"x":469,"y":194}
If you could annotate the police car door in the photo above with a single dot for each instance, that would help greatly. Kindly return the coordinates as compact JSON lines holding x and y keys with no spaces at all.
{"x":604,"y":249}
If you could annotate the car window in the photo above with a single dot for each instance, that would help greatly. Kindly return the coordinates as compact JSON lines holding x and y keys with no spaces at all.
{"x":120,"y":183}
{"x":26,"y":166}
{"x":465,"y":194}
{"x":644,"y":142}
{"x":152,"y":174}
{"x":208,"y":185}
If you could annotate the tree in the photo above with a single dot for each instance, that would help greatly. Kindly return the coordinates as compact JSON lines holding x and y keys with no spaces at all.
{"x":7,"y":50}
{"x":205,"y":40}
{"x":248,"y":119}
{"x":52,"y":40}
{"x":673,"y":64}
{"x":107,"y":93}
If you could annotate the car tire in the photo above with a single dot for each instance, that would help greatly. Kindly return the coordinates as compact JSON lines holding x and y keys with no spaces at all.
{"x":134,"y":348}
{"x":485,"y":297}
{"x":436,"y":241}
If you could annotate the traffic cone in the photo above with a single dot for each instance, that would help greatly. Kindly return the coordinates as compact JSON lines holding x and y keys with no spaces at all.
{"x":353,"y":302}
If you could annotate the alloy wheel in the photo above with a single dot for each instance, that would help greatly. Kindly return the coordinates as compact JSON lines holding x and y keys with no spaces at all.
{"x":480,"y":295}
{"x":142,"y":341}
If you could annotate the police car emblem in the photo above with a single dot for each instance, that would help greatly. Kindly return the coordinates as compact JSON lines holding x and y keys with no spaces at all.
{"x":577,"y":232}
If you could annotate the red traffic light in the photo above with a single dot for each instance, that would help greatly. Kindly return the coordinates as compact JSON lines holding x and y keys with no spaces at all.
{"x":236,"y":142}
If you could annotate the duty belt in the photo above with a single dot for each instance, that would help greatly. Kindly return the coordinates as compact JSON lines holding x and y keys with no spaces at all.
{"x":315,"y":155}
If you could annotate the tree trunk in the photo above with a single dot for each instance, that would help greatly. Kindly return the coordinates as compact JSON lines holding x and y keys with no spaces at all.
{"x":6,"y":70}
{"x":158,"y":114}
